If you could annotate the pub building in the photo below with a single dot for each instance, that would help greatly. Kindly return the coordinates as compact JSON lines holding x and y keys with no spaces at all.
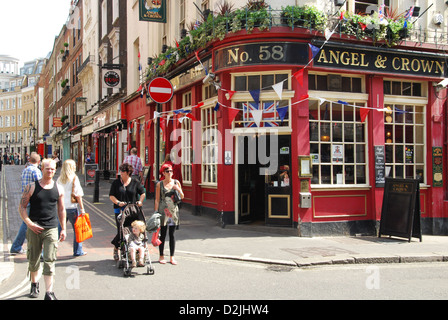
{"x":277,"y":133}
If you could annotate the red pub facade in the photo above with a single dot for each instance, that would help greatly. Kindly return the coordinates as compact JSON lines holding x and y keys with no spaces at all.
{"x":294,"y":131}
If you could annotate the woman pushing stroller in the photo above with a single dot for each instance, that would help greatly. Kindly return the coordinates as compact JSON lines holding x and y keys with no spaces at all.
{"x":124,"y":190}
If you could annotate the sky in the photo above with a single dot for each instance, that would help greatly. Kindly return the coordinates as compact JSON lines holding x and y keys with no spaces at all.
{"x":28,"y":27}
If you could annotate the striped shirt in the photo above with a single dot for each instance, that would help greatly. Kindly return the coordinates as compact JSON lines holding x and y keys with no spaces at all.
{"x":30,"y":174}
{"x":135,"y":162}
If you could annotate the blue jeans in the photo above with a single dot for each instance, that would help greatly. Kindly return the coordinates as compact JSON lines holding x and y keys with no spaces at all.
{"x":72,"y":214}
{"x":21,"y":235}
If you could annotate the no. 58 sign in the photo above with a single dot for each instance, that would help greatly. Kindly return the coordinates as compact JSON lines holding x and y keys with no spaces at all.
{"x":261,"y":53}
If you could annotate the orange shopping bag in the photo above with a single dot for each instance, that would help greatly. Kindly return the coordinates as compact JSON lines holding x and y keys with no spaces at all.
{"x":83,"y":228}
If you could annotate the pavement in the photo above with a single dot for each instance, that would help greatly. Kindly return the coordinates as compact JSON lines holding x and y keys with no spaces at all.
{"x":205,"y":237}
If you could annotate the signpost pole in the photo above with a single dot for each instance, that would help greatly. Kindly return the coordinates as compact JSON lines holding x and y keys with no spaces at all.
{"x":157,"y":144}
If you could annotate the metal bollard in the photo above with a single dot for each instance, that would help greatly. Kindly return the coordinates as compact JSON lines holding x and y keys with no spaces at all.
{"x":96,"y":191}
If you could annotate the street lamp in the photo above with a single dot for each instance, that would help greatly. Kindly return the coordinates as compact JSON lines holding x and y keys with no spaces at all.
{"x":33,"y":134}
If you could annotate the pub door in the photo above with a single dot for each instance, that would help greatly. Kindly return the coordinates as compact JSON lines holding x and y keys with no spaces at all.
{"x":264,"y":187}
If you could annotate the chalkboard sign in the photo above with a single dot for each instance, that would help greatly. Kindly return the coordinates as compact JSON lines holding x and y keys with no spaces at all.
{"x":380,"y":177}
{"x":400,"y":214}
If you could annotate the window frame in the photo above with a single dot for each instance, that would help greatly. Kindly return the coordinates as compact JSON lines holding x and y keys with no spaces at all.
{"x":265,"y":95}
{"x":352,"y":98}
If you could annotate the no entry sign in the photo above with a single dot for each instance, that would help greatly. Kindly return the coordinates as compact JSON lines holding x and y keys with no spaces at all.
{"x":160,"y":90}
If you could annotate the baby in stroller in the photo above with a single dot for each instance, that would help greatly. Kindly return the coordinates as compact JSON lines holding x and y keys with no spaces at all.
{"x":136,"y":242}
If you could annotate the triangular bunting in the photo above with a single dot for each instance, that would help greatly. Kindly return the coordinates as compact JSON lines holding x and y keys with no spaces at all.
{"x":192,"y":117}
{"x":299,"y":76}
{"x":314,"y":50}
{"x":282,"y":112}
{"x":255,"y":95}
{"x":216,"y":106}
{"x":257,"y":115}
{"x":229,"y":94}
{"x":278,"y":88}
{"x":363,"y":112}
{"x":232,"y":114}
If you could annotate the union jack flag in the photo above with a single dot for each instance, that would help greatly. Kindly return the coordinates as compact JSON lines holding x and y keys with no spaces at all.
{"x":270,"y":116}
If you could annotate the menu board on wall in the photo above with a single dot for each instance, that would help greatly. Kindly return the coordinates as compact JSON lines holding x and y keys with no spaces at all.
{"x":380,"y":177}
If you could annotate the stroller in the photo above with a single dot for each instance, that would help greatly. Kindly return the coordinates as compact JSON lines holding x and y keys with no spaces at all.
{"x":131,"y":213}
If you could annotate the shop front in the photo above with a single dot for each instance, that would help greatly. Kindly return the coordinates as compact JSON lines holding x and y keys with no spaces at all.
{"x":106,"y":127}
{"x":301,"y":134}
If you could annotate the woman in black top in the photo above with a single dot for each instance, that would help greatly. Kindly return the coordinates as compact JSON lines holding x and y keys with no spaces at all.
{"x":124,"y":190}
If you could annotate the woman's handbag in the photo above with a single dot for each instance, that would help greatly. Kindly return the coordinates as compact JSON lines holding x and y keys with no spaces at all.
{"x":176,"y":196}
{"x":155,"y":238}
{"x":83,"y":228}
{"x":73,"y":198}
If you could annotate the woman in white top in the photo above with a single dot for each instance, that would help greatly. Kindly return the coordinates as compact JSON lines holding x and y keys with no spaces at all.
{"x":66,"y":179}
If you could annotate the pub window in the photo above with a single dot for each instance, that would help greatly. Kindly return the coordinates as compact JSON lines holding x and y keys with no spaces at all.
{"x":338,"y":143}
{"x":274,"y":115}
{"x":209,"y":139}
{"x":209,"y":91}
{"x":187,"y":150}
{"x":186,"y":146}
{"x":335,"y":82}
{"x":403,"y":88}
{"x":404,"y":126}
{"x":260,"y":82}
{"x":275,"y":112}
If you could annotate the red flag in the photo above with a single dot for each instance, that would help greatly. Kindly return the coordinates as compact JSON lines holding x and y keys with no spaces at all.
{"x":197,"y":55}
{"x":299,"y":76}
{"x":232,"y":114}
{"x":363,"y":112}
{"x":200,"y":104}
{"x":192,"y":117}
{"x":230,"y":94}
{"x":161,"y":63}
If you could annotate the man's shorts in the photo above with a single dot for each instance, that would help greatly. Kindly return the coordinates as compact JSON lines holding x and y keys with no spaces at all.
{"x":48,"y":241}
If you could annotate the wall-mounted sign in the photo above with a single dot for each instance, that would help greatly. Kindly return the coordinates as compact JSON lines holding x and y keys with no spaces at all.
{"x":261,"y":53}
{"x":380,"y":172}
{"x":57,"y":122}
{"x":437,"y":167}
{"x":152,"y":10}
{"x":381,"y":61}
{"x":111,"y":78}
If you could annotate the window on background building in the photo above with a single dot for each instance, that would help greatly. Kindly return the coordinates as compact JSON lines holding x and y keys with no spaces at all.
{"x":338,"y":143}
{"x":181,"y":14}
{"x":186,"y":145}
{"x":366,"y":6}
{"x":209,"y":122}
{"x":103,"y":19}
{"x":404,"y":129}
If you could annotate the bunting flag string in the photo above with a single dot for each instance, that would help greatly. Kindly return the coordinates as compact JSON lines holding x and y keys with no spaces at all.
{"x":181,"y":114}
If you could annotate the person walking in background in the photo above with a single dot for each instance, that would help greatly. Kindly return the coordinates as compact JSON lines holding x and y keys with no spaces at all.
{"x":124,"y":190}
{"x":69,"y":182}
{"x":90,"y":158}
{"x":136,"y":164}
{"x":30,"y":174}
{"x":169,"y":211}
{"x":46,"y":201}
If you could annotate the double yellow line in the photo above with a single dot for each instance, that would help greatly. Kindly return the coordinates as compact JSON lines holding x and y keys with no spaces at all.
{"x":110,"y":220}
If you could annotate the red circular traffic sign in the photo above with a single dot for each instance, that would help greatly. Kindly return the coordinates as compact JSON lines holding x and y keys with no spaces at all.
{"x":160,"y":90}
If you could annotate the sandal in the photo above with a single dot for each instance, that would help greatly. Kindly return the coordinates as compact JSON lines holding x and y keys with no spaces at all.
{"x":173,"y":262}
{"x":141,"y":264}
{"x":163,"y":261}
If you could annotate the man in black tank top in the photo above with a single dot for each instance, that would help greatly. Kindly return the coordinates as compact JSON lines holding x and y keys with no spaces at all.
{"x":46,"y":206}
